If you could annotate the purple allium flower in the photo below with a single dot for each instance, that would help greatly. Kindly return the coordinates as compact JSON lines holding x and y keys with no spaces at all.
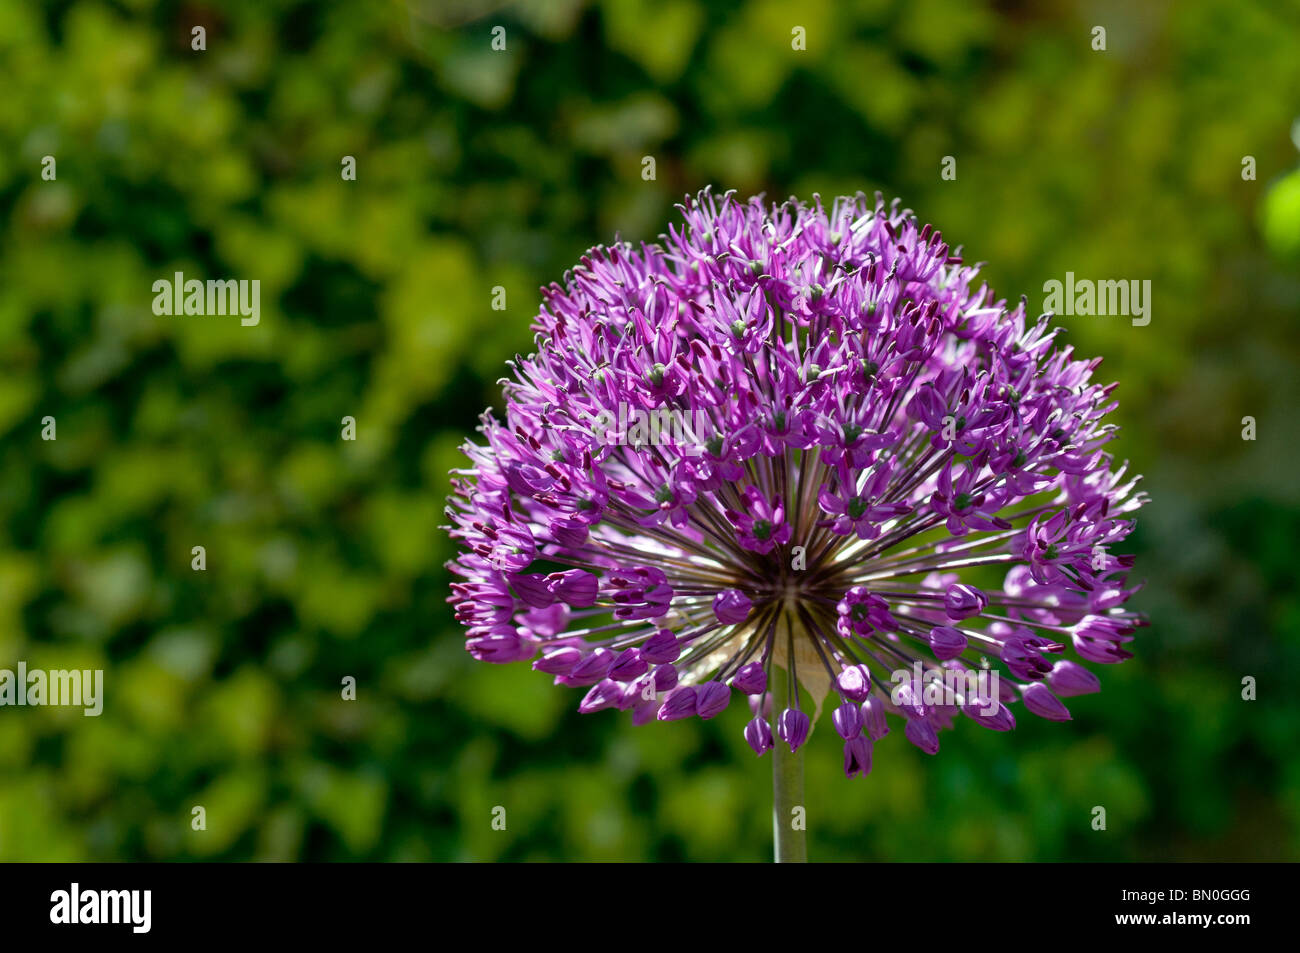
{"x":750,"y":679}
{"x":871,"y":441}
{"x":732,"y":606}
{"x":792,"y":727}
{"x":1069,"y":678}
{"x":857,"y":757}
{"x":758,"y":734}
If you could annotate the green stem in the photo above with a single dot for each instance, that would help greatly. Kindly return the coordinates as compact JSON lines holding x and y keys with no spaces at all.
{"x":788,"y":831}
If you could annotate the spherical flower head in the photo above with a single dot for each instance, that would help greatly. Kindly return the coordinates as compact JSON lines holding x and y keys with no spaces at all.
{"x":796,"y":446}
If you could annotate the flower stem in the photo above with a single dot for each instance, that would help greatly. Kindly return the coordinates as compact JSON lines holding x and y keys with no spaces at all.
{"x":789,"y":841}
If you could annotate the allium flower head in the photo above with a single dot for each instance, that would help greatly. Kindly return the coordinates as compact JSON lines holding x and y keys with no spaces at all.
{"x":787,"y":443}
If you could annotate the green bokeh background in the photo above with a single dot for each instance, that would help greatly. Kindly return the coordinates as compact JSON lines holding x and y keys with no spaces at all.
{"x":479,"y":169}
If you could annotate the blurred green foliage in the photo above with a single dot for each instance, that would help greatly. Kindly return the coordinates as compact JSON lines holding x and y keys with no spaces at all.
{"x":479,"y":169}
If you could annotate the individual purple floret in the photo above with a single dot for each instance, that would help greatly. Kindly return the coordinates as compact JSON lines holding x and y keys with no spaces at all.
{"x":795,"y":448}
